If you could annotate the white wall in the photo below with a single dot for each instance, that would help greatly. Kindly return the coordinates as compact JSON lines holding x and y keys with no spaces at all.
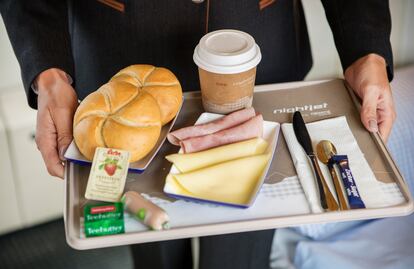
{"x":9,"y":68}
{"x":326,"y":63}
{"x":402,"y":35}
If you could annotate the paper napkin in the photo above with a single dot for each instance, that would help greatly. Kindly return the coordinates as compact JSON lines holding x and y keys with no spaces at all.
{"x":338,"y":132}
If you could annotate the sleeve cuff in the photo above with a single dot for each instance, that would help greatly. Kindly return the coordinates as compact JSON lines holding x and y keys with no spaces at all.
{"x":364,"y":46}
{"x":33,"y":86}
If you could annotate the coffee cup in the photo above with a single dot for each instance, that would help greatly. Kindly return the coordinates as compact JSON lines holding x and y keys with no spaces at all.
{"x":227,"y":61}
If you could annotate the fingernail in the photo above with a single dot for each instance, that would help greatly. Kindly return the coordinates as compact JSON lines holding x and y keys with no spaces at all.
{"x":373,"y":126}
{"x":62,"y":153}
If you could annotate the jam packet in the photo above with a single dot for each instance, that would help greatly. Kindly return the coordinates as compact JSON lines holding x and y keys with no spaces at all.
{"x":108,"y":174}
{"x":104,"y":219}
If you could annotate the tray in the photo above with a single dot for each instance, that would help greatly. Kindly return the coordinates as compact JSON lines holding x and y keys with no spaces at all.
{"x":281,"y":201}
{"x":270,"y":134}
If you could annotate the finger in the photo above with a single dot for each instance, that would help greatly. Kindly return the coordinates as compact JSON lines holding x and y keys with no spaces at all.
{"x":385,"y":129}
{"x":47,"y":145}
{"x":63,"y":119}
{"x":369,"y":111}
{"x":53,"y":163}
{"x":387,"y":117}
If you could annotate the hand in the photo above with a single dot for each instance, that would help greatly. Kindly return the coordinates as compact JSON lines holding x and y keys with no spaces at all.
{"x":56,"y":102}
{"x":368,"y":77}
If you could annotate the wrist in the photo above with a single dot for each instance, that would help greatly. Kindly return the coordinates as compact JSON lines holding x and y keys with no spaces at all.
{"x":375,"y":59}
{"x":50,"y":78}
{"x":372,"y":58}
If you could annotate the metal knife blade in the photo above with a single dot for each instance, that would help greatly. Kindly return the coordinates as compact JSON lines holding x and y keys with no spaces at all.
{"x":302,"y":135}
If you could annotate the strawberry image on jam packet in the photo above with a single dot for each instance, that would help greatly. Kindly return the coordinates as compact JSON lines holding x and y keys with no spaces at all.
{"x":108,"y":174}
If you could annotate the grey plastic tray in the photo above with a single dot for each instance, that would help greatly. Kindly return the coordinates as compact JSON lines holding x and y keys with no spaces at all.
{"x":275,"y":102}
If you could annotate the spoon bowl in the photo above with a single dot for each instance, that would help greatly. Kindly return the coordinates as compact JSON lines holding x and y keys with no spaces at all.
{"x":325,"y":150}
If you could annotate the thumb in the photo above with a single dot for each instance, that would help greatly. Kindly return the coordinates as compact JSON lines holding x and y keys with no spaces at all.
{"x":369,"y":112}
{"x":63,"y":121}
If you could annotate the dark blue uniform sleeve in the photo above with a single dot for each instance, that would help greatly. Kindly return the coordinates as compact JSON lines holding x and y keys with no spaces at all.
{"x":39,"y":33}
{"x":360,"y":27}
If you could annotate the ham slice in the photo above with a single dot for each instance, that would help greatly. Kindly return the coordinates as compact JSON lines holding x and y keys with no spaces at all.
{"x":247,"y":130}
{"x":225,"y":122}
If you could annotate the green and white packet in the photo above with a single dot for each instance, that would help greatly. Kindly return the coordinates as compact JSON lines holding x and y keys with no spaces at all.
{"x":104,"y":219}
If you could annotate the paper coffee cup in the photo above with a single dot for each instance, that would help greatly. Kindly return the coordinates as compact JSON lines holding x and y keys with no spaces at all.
{"x":227,"y":61}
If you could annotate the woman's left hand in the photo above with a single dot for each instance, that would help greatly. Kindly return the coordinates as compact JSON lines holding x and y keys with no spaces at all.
{"x":368,"y":77}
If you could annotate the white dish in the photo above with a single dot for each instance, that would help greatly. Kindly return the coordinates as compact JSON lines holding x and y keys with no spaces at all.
{"x":270,"y":134}
{"x":74,"y":155}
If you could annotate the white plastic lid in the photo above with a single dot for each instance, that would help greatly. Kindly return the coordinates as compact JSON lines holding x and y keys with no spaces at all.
{"x":227,"y":52}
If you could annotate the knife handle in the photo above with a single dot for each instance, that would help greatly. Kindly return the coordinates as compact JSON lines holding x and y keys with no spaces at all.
{"x":327,"y":199}
{"x":320,"y":187}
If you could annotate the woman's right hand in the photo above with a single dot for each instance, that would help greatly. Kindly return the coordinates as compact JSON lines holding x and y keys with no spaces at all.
{"x":56,"y":104}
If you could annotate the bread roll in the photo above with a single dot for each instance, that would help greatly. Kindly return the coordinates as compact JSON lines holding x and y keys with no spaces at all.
{"x":160,"y":82}
{"x":117,"y":115}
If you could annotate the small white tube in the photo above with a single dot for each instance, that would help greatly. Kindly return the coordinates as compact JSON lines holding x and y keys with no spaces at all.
{"x":145,"y":211}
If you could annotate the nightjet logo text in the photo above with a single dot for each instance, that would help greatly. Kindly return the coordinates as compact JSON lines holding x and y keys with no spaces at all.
{"x":305,"y":108}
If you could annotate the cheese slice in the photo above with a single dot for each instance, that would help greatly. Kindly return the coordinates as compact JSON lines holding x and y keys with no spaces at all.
{"x":178,"y":189}
{"x":230,"y":182}
{"x":186,"y":162}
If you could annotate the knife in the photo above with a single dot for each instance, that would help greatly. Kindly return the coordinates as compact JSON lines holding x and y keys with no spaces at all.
{"x":327,"y":199}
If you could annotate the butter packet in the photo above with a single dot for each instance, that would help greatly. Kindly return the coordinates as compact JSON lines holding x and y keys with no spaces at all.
{"x":106,"y":180}
{"x":104,"y":219}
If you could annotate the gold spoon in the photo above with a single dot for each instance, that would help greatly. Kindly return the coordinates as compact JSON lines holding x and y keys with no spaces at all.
{"x":325,"y":150}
